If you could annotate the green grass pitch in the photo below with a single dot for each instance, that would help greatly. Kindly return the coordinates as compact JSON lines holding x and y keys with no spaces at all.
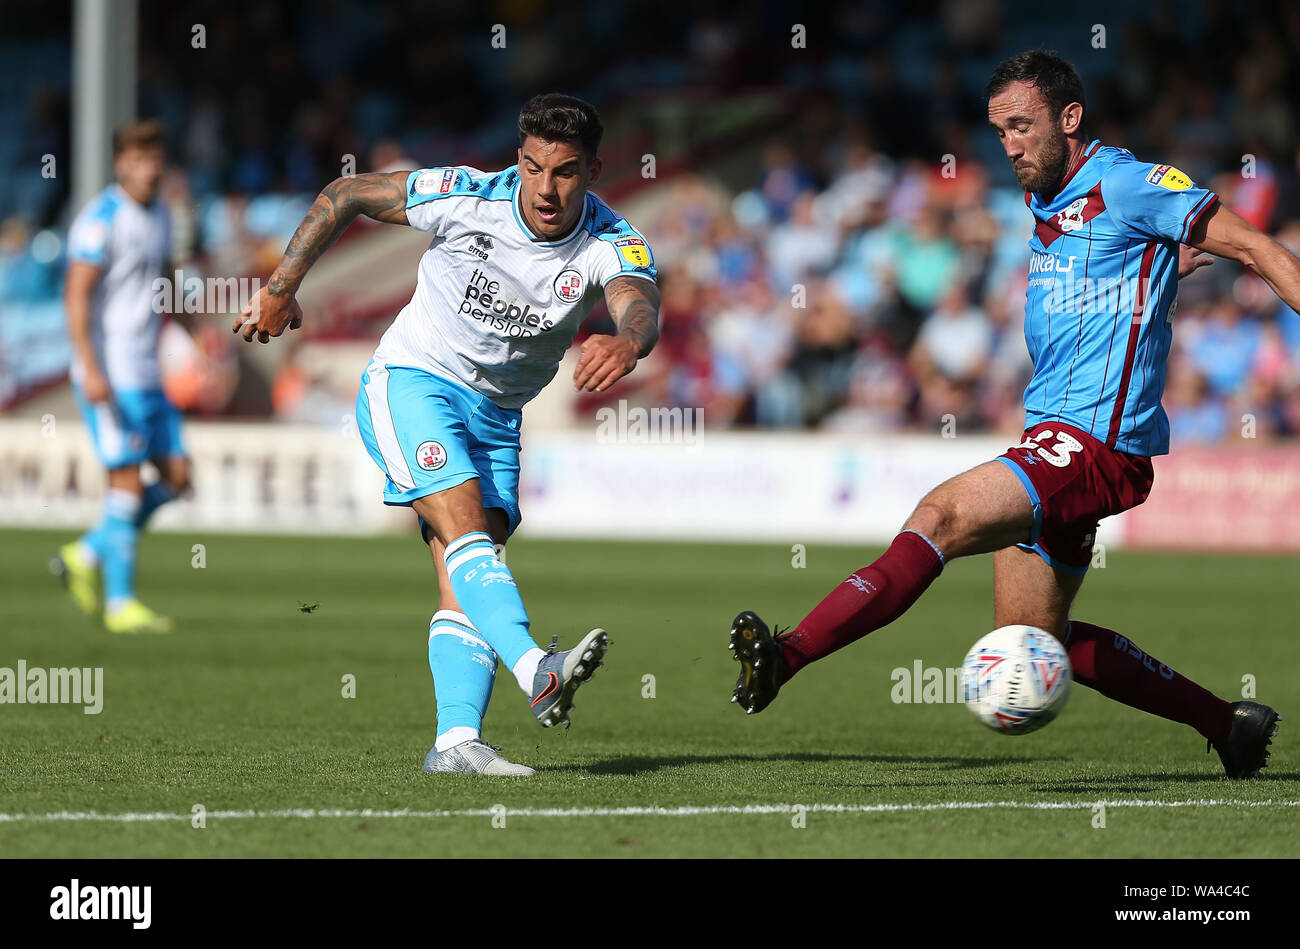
{"x":242,"y":711}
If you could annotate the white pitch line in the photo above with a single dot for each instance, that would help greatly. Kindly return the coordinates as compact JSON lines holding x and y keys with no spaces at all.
{"x":687,"y":811}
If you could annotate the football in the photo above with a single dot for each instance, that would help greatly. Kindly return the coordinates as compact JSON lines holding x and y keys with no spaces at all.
{"x":1016,"y":679}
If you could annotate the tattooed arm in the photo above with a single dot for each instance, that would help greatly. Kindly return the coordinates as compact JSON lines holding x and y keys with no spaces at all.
{"x":634,"y":306}
{"x":378,"y":196}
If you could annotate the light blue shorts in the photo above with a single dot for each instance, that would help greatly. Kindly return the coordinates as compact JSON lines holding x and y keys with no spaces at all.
{"x":428,"y":434}
{"x":138,"y":424}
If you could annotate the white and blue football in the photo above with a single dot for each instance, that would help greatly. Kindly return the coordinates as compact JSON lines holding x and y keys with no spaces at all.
{"x":1016,"y":679}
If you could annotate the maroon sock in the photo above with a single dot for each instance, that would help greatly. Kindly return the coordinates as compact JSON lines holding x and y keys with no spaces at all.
{"x":1108,"y":662}
{"x":872,"y":597}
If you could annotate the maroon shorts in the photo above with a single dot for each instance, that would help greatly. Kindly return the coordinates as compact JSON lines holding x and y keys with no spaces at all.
{"x":1074,"y":481}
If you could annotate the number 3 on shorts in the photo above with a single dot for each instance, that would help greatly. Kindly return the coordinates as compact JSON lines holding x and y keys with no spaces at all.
{"x":1059,"y":457}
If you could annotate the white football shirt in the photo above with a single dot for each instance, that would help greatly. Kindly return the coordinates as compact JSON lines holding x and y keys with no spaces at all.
{"x":495,"y":308}
{"x":131,"y":244}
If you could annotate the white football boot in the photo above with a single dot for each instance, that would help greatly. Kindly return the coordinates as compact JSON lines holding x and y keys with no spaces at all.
{"x":473,"y":757}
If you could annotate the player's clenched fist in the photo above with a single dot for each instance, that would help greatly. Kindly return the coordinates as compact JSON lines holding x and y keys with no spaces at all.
{"x":267,"y":314}
{"x":605,"y":360}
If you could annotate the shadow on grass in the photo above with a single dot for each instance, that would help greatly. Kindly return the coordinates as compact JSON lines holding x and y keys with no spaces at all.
{"x":642,"y":764}
{"x":1091,"y":788}
{"x":1137,"y":783}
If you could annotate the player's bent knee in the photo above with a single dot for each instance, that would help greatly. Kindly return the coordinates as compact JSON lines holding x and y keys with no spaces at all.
{"x":931,"y":519}
{"x":944,"y":521}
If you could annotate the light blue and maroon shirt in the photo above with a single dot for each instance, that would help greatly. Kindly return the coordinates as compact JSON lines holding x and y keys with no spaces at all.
{"x":1103,"y":281}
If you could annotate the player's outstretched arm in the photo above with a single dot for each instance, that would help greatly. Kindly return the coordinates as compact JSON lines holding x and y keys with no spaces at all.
{"x":1225,"y":233}
{"x":634,"y":306}
{"x":378,"y":196}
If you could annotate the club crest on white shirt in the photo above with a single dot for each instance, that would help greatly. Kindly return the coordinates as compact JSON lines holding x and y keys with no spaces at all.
{"x":568,"y":286}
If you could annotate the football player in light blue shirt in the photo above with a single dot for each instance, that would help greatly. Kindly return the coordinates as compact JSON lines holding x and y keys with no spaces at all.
{"x":1103,"y":278}
{"x":518,"y":258}
{"x":1106,"y":245}
{"x":118,"y":246}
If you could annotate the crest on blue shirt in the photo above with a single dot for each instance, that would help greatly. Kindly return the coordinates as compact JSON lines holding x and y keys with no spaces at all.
{"x":1072,"y":219}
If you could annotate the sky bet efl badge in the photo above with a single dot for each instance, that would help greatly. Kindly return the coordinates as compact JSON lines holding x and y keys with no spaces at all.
{"x":634,"y":251}
{"x":1167,"y":176}
{"x":436,"y":180}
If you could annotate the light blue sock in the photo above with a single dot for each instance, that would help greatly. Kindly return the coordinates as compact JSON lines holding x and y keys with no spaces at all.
{"x":92,"y":543}
{"x":486,"y":591}
{"x":464,"y":668}
{"x":155,"y":496}
{"x":118,"y":536}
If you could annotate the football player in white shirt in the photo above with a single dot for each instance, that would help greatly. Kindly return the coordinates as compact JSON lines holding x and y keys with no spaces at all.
{"x":117,"y":246}
{"x":517,"y":260}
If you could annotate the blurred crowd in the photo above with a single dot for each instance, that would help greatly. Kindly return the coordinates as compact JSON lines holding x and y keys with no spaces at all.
{"x":888,"y":298}
{"x":872,"y":277}
{"x":859,"y":265}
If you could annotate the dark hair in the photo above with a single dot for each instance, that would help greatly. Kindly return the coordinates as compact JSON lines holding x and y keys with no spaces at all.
{"x":558,"y":118}
{"x":1042,"y":68}
{"x":144,"y":133}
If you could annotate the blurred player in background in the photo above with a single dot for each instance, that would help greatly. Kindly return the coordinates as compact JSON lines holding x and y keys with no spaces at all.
{"x":1093,"y":416}
{"x":117,"y":246}
{"x":518,"y":259}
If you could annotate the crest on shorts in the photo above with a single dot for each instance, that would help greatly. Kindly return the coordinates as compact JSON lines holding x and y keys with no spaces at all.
{"x":430,"y":456}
